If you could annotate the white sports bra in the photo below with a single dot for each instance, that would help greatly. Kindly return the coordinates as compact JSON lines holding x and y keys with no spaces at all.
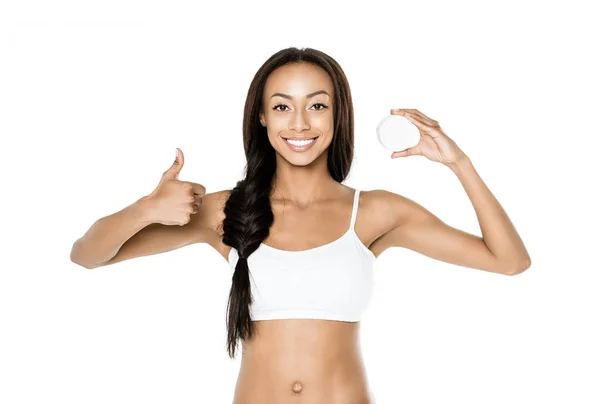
{"x":332,"y":282}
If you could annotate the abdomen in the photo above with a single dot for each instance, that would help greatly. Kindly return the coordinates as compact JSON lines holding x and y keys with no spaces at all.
{"x":303,"y":361}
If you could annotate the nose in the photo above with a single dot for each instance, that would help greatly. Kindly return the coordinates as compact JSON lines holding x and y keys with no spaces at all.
{"x":298,"y":123}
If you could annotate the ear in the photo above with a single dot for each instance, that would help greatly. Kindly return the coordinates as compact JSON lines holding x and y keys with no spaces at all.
{"x":262,"y":118}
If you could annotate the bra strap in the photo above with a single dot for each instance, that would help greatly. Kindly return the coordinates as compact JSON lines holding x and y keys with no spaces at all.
{"x":354,"y":209}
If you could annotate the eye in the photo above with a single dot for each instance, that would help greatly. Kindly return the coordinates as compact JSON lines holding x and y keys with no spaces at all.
{"x":323,"y":106}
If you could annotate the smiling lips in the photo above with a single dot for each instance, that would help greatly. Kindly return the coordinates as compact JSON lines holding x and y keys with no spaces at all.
{"x":300,"y":145}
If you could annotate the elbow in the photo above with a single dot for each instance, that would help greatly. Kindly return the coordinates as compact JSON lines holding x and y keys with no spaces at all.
{"x":74,"y":257}
{"x":75,"y":261}
{"x":84,"y":265}
{"x":520,"y":268}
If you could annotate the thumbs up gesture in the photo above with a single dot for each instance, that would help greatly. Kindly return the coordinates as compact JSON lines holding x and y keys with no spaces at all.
{"x":174,"y":201}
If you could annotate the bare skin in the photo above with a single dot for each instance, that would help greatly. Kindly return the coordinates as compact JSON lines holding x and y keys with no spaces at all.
{"x":319,"y":361}
{"x":308,"y":360}
{"x":303,"y":360}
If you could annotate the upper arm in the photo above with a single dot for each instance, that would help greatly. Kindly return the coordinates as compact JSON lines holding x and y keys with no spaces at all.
{"x":157,"y":238}
{"x":416,"y":228}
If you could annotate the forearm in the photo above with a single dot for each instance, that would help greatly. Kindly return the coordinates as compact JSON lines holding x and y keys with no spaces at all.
{"x":497,"y":230}
{"x":106,"y":236}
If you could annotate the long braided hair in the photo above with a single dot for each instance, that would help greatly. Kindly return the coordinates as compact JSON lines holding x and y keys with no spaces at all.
{"x":248,"y":214}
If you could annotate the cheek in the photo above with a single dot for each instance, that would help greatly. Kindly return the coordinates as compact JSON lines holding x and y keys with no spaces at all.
{"x":325,"y":123}
{"x":277,"y":120}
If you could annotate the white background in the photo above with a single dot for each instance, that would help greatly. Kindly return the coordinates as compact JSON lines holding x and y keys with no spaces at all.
{"x":95,"y":96}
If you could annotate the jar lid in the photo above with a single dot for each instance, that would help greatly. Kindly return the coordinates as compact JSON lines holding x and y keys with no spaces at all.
{"x":396,"y":133}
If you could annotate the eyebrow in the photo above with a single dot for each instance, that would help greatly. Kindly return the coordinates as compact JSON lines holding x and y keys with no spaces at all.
{"x":289,"y":97}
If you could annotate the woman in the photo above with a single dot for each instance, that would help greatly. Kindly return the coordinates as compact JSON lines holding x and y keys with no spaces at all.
{"x":300,"y":243}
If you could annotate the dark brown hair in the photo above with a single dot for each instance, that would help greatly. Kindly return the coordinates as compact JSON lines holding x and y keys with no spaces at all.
{"x":248,"y":214}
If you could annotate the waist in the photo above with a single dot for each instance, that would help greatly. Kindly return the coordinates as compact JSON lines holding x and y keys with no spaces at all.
{"x":306,"y":337}
{"x":323,"y":356}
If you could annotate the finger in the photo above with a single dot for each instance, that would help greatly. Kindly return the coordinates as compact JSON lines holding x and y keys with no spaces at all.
{"x":403,"y":153}
{"x":173,"y":171}
{"x":406,"y":112}
{"x":196,"y":208}
{"x":197,"y":202}
{"x":425,"y":118}
{"x":399,"y":111}
{"x":418,"y":121}
{"x":197,"y":189}
{"x":425,"y":128}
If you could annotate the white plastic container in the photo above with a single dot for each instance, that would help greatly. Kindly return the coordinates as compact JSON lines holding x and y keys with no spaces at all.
{"x":396,"y":133}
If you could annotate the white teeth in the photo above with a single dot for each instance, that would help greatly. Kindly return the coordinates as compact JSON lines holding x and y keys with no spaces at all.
{"x":300,"y":142}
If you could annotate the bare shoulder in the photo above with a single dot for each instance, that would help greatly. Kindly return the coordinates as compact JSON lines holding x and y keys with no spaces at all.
{"x":384,"y":212}
{"x":385,"y":205}
{"x":380,"y":212}
{"x":214,"y":203}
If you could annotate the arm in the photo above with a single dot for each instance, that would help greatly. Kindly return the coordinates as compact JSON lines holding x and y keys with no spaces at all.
{"x":499,"y":250}
{"x":499,"y":234}
{"x":106,"y":236}
{"x":414,"y":227}
{"x":130,"y":233}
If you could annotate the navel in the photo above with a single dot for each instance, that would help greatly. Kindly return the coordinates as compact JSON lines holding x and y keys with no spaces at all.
{"x":297,"y":387}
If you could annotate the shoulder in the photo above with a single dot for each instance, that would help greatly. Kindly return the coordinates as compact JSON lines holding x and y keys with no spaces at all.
{"x":386,"y":206}
{"x":210,"y":215}
{"x":384,"y":211}
{"x":215,"y":203}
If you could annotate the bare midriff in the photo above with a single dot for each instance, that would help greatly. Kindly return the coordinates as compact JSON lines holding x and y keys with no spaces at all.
{"x":303,"y":361}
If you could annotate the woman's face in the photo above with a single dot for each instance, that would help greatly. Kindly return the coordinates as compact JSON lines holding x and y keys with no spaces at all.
{"x":298,"y":104}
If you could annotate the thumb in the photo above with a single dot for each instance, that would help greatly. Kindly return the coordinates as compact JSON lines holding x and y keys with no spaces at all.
{"x":402,"y":153}
{"x":173,"y":171}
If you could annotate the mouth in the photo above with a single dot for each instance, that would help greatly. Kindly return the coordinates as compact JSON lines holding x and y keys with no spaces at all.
{"x":301,"y":144}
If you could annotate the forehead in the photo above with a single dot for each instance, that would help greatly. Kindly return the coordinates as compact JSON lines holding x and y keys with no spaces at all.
{"x":297,"y":80}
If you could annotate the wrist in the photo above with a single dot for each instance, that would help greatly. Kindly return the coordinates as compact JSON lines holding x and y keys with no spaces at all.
{"x":144,"y":208}
{"x":460,"y":164}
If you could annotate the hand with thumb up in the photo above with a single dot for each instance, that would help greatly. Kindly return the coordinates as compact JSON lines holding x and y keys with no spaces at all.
{"x":174,"y":201}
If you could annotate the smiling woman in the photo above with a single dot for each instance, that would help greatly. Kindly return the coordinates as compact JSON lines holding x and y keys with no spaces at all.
{"x":296,"y":296}
{"x":300,"y":244}
{"x":296,"y":115}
